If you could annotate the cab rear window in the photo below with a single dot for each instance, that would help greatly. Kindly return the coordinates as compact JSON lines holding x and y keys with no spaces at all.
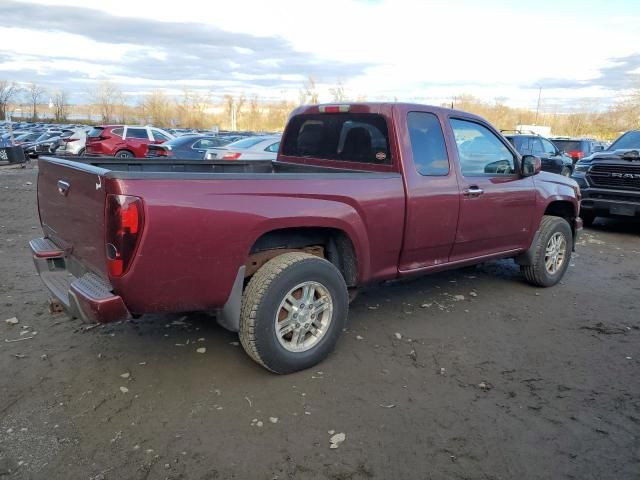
{"x":348,"y":137}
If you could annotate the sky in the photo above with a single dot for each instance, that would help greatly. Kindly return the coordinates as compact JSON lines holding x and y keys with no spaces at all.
{"x":576,"y":54}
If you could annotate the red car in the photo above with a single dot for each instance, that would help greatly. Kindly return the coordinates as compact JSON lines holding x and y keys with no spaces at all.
{"x":359,"y":194}
{"x":123,"y":141}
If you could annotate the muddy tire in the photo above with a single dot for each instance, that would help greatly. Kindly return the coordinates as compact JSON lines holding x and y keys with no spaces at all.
{"x":293,"y":311}
{"x":551,"y":252}
{"x":566,"y":171}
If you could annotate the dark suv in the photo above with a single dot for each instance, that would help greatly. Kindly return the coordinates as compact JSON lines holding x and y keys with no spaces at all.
{"x":577,"y":148}
{"x":553,"y":160}
{"x":610,"y":180}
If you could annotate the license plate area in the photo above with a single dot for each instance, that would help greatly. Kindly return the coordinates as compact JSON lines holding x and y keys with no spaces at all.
{"x":624,"y":210}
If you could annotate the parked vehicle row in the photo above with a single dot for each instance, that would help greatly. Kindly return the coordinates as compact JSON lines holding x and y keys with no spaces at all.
{"x":124,"y":141}
{"x":553,"y":159}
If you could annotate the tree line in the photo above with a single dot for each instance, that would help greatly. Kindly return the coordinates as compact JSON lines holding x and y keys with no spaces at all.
{"x":197,"y":109}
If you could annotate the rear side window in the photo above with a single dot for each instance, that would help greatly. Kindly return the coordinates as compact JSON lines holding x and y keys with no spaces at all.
{"x":427,"y":144}
{"x":137,"y":133}
{"x":273,"y":148}
{"x":349,"y":137}
{"x":205,"y":143}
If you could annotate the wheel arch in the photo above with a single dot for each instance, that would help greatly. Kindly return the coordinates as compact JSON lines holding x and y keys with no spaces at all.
{"x":332,"y":243}
{"x":564,"y":209}
{"x":124,"y":150}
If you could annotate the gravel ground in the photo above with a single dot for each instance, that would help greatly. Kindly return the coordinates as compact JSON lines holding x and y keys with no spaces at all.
{"x":470,"y":374}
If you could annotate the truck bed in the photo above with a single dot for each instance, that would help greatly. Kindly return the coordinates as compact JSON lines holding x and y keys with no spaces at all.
{"x":195,"y":169}
{"x":202,"y":219}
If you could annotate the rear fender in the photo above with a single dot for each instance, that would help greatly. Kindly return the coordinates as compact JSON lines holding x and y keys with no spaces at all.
{"x":351,"y":225}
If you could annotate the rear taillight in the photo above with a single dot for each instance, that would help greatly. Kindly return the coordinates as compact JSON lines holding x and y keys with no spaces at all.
{"x":159,"y":152}
{"x":124,"y":220}
{"x":575,"y":154}
{"x":231,"y":156}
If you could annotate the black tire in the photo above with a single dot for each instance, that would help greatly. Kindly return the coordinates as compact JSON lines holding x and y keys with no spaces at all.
{"x":124,"y":154}
{"x":587,"y":218}
{"x":566,"y":171}
{"x":261,"y":303}
{"x":537,"y":273}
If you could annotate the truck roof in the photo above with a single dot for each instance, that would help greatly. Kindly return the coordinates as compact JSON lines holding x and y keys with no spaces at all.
{"x":379,"y":106}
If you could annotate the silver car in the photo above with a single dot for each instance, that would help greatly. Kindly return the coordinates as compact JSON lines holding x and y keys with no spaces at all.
{"x":73,"y":144}
{"x":251,"y":148}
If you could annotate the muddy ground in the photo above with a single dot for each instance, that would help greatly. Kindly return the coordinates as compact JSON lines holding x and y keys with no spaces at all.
{"x":509,"y":382}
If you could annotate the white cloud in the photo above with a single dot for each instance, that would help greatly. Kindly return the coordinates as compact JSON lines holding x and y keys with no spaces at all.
{"x":418,"y":49}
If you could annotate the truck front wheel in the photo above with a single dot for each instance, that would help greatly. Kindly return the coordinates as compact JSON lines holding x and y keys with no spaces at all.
{"x":551,"y":252}
{"x":293,"y":311}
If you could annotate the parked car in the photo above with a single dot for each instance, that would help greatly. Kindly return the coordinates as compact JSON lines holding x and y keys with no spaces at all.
{"x":46,"y":143}
{"x":553,"y":160}
{"x":610,"y":180}
{"x":26,"y":137}
{"x":73,"y":144}
{"x":123,"y":141}
{"x":360,"y":193}
{"x":187,"y":147}
{"x":251,"y":148}
{"x":577,"y":148}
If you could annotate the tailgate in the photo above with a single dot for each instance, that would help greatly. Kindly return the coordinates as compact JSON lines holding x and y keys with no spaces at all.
{"x":71,"y":201}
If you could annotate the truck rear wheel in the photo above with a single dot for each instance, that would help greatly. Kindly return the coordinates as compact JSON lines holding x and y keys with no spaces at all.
{"x":551,"y":252}
{"x":293,"y":311}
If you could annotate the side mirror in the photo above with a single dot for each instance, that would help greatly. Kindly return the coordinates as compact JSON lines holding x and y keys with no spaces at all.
{"x":531,"y":165}
{"x":598,"y":148}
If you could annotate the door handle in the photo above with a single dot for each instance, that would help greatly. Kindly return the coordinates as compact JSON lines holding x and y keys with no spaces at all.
{"x":63,"y":187}
{"x":473,"y":191}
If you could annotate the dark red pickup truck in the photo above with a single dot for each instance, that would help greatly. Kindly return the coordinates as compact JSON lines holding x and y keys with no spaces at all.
{"x":360,"y":193}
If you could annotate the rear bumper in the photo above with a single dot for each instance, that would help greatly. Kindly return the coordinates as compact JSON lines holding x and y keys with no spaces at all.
{"x":88,"y":296}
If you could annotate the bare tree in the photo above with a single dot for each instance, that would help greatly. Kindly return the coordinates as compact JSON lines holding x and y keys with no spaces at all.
{"x":8,"y":90}
{"x":60,"y":106}
{"x":157,"y":108}
{"x":34,"y":94}
{"x":337,"y":93}
{"x":107,"y":97}
{"x":309,"y":92}
{"x":253,"y":116}
{"x":233,"y":107}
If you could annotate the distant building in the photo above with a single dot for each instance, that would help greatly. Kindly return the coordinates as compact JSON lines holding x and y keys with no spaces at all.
{"x":539,"y":129}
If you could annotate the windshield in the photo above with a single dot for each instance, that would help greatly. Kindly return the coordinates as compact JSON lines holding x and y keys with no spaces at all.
{"x":628,"y":140}
{"x":95,"y":132}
